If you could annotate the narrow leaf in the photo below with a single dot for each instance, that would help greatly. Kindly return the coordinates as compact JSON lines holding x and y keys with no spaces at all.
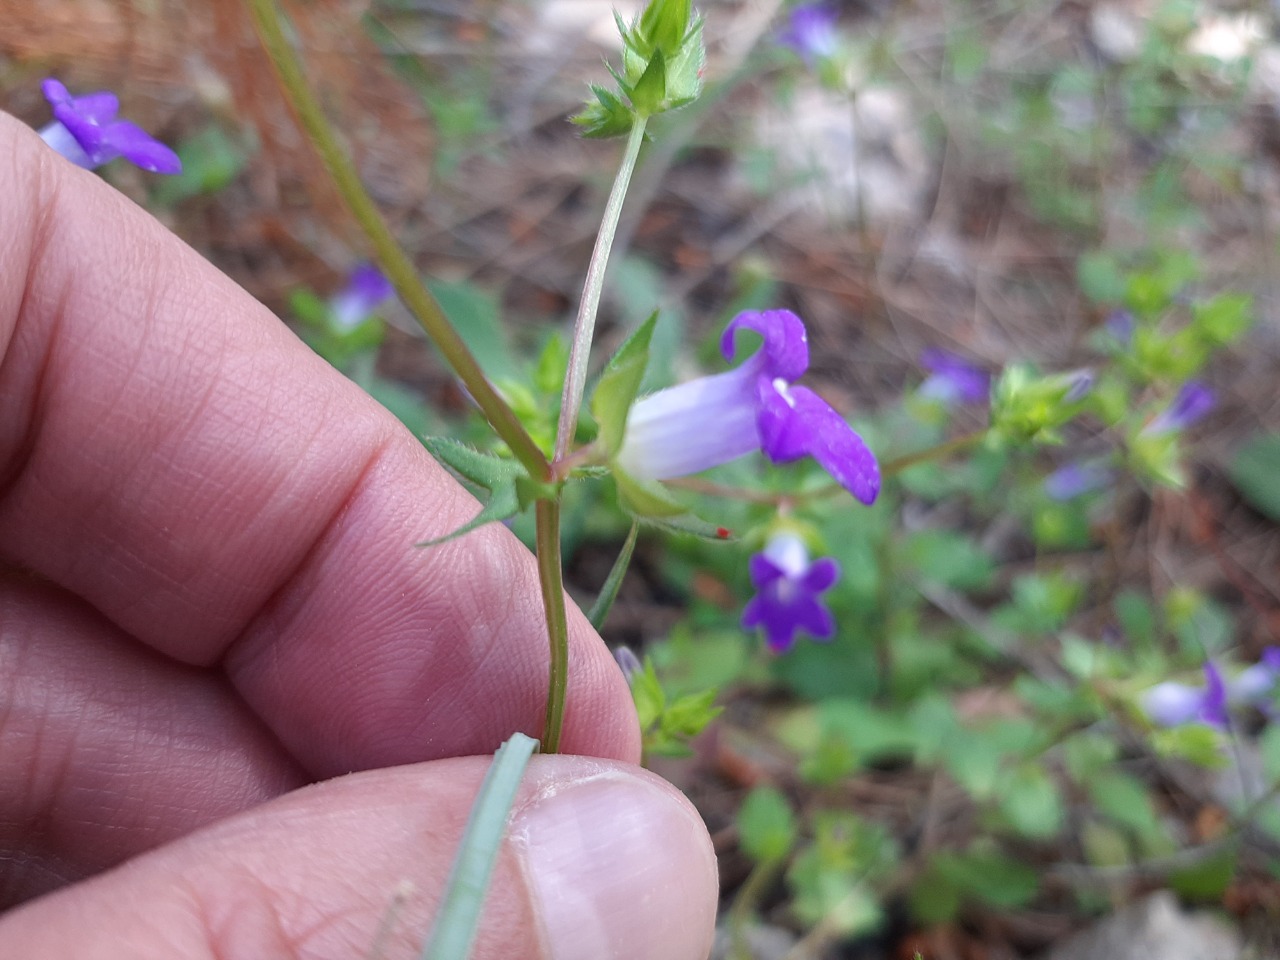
{"x":455,"y":926}
{"x":609,"y":592}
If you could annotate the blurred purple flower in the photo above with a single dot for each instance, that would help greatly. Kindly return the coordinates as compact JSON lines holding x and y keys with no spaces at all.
{"x":1191,"y":404}
{"x":1172,"y":704}
{"x":709,"y":421}
{"x":787,"y":589}
{"x":85,"y":131}
{"x":366,"y":289}
{"x":953,"y":379}
{"x":628,"y":663}
{"x":811,"y":31}
{"x":1120,"y":324}
{"x":1076,"y":479}
{"x":1254,"y":684}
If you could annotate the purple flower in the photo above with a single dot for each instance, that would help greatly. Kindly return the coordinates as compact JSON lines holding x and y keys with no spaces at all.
{"x":787,"y":588}
{"x":85,"y":131}
{"x":1254,"y":684}
{"x":952,"y":379}
{"x":1120,"y":324}
{"x":709,"y":421}
{"x":628,"y":663}
{"x":1172,"y":704}
{"x":811,"y":32}
{"x":364,"y":292}
{"x":1076,"y":479}
{"x":1192,"y":403}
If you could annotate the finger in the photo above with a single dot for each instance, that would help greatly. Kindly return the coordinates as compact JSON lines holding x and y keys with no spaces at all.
{"x":602,"y":860}
{"x":171,"y":453}
{"x":108,"y":748}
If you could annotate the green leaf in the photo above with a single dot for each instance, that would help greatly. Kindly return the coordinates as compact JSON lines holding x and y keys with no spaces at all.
{"x":210,"y":161}
{"x":477,"y":316}
{"x":1208,"y":879}
{"x":990,"y":876}
{"x":499,"y":477}
{"x":949,"y":558}
{"x":1254,"y":471}
{"x":766,"y":825}
{"x":1225,"y":318}
{"x":648,"y":695}
{"x":1099,"y":276}
{"x":1029,"y":800}
{"x":618,"y":386}
{"x":609,"y":592}
{"x":309,"y":308}
{"x":1123,"y":799}
{"x":454,"y":929}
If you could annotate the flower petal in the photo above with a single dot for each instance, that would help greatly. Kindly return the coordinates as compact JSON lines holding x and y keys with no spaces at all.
{"x":795,"y":422}
{"x":822,"y":575}
{"x":786,"y":344}
{"x":130,"y":141}
{"x":693,"y":426}
{"x":763,"y":571}
{"x":1213,"y":703}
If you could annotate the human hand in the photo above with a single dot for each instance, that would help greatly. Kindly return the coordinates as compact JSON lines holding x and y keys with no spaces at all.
{"x":210,"y":599}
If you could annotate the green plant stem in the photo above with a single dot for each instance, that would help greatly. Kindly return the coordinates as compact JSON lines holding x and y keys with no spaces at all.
{"x":391,"y":257}
{"x":584,"y":327}
{"x":745,"y":903}
{"x":551,"y":577}
{"x":936,"y":452}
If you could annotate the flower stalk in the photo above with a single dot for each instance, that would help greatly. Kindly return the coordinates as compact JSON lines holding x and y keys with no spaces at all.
{"x":551,"y":578}
{"x":391,"y":257}
{"x":584,"y":327}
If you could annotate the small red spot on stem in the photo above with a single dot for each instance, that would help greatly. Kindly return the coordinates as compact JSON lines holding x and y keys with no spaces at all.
{"x":722,"y":533}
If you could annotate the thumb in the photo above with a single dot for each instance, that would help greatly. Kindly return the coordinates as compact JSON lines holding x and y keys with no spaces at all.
{"x":602,"y":861}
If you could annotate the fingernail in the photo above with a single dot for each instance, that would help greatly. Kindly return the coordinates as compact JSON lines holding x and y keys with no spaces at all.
{"x":619,"y":867}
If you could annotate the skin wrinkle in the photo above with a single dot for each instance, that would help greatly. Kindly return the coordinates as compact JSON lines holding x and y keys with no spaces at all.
{"x":45,"y":190}
{"x":140,"y":767}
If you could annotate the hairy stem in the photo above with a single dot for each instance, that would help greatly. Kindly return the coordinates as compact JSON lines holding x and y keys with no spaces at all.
{"x":551,"y":577}
{"x":391,"y":257}
{"x":585,"y":326}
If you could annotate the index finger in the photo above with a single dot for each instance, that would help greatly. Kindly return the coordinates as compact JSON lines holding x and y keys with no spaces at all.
{"x":175,"y":456}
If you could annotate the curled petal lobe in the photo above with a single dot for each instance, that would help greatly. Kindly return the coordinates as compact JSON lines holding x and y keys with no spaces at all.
{"x":814,"y":428}
{"x":140,"y":148}
{"x":786,"y":344}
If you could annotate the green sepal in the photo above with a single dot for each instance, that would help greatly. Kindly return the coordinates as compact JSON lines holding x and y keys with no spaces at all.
{"x":618,"y":386}
{"x":501,"y":478}
{"x":649,"y":503}
{"x":607,"y":117}
{"x":599,"y":611}
{"x":650,"y":91}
